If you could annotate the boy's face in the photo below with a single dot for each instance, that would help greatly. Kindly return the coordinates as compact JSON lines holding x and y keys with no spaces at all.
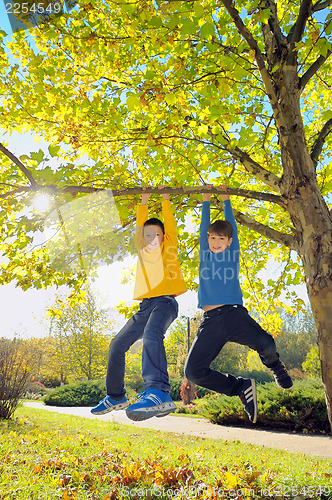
{"x":153,"y":236}
{"x":218,"y":242}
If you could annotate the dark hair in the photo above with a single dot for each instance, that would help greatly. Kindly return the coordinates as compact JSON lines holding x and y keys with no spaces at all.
{"x":154,"y":222}
{"x":221,"y":227}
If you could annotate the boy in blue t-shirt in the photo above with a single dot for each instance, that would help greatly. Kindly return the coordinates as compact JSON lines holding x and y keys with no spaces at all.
{"x":225,"y":319}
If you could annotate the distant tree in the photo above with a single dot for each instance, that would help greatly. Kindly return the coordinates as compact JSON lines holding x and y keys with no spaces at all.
{"x":177,"y":343}
{"x":82,"y":333}
{"x":232,"y":359}
{"x":298,"y":336}
{"x":133,"y":374}
{"x":46,"y":367}
{"x":311,"y":365}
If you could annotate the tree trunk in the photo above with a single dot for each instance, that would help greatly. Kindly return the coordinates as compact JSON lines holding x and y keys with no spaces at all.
{"x":315,"y":249}
{"x":310,"y":215}
{"x":321,"y":305}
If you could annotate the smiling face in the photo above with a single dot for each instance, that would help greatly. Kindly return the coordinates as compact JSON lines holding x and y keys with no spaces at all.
{"x":153,"y":236}
{"x":218,"y":242}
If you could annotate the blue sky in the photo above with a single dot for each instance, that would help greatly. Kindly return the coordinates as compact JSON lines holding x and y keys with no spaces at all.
{"x":4,"y":21}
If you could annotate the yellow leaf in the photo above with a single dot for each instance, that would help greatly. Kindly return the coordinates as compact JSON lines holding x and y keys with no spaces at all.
{"x":231,"y":480}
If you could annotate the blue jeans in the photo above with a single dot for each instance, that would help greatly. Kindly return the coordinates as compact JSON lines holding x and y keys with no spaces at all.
{"x":220,"y":325}
{"x":150,"y":323}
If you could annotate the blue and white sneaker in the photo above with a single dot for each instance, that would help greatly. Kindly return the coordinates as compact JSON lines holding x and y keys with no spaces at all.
{"x":108,"y":404}
{"x":151,"y":403}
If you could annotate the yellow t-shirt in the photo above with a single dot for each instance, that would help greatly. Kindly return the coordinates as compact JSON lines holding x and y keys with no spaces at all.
{"x":158,"y":271}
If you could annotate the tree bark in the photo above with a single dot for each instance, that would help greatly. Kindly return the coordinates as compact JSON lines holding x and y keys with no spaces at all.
{"x":309,"y":210}
{"x":321,"y":303}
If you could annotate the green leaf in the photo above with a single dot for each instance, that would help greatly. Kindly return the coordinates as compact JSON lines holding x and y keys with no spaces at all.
{"x":132,"y":102}
{"x":171,"y":98}
{"x":189,"y":27}
{"x":38,"y":157}
{"x":54,"y":150}
{"x":208,"y":30}
{"x":264,"y":16}
{"x":46,"y":175}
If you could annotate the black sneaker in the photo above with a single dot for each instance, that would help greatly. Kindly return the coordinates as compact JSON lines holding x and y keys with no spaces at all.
{"x":281,"y":376}
{"x":249,"y":398}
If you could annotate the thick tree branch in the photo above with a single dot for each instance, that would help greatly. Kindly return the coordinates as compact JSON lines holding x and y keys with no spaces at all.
{"x":313,"y":69}
{"x":281,"y":238}
{"x":273,"y":25}
{"x":296,"y":32}
{"x":268,"y":178}
{"x":247,"y":36}
{"x":18,"y":190}
{"x":319,"y":143}
{"x":254,"y":168}
{"x":185,"y":190}
{"x":20,"y":165}
{"x":321,"y":5}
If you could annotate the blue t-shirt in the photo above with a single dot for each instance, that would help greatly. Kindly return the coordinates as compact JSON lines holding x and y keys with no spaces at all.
{"x":218,"y":272}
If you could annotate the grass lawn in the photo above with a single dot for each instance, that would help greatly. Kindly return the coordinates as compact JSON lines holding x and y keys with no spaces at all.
{"x":46,"y":456}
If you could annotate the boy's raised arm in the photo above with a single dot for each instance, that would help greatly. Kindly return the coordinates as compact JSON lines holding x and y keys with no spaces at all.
{"x":169,"y":219}
{"x":229,"y":216}
{"x":205,"y":220}
{"x":141,"y":218}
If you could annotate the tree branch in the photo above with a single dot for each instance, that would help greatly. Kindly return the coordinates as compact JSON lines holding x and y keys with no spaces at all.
{"x":273,"y":26}
{"x":245,"y":33}
{"x":254,"y":168}
{"x":319,"y":143}
{"x":282,"y":238}
{"x":8,"y":194}
{"x":270,"y":179}
{"x":313,"y":69}
{"x":132,"y":191}
{"x":321,"y":5}
{"x":296,"y":31}
{"x":20,"y":165}
{"x":185,"y":190}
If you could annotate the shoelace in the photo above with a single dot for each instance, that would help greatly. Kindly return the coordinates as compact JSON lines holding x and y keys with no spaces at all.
{"x":281,"y":371}
{"x":140,"y":395}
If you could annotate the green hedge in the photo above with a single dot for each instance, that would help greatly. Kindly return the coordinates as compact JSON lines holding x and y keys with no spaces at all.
{"x":175,"y":388}
{"x":89,"y":393}
{"x":84,"y":393}
{"x":302,"y":409}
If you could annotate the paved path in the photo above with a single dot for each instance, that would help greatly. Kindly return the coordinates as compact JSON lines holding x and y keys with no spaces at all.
{"x":319,"y":446}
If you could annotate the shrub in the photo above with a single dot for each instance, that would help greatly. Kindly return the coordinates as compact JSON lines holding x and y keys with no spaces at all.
{"x":303,"y":409}
{"x":188,"y":391}
{"x":50,"y":381}
{"x":83,"y":393}
{"x":175,"y":388}
{"x":15,"y":366}
{"x":190,"y":409}
{"x":201,"y":392}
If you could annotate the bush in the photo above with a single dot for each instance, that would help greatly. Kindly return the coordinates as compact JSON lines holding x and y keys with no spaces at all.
{"x":303,"y":409}
{"x":15,"y":366}
{"x":50,"y":381}
{"x":89,"y":393}
{"x":83,"y":393}
{"x":175,"y":388}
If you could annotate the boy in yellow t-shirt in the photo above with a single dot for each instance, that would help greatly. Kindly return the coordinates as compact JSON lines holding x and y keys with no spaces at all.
{"x":158,"y":281}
